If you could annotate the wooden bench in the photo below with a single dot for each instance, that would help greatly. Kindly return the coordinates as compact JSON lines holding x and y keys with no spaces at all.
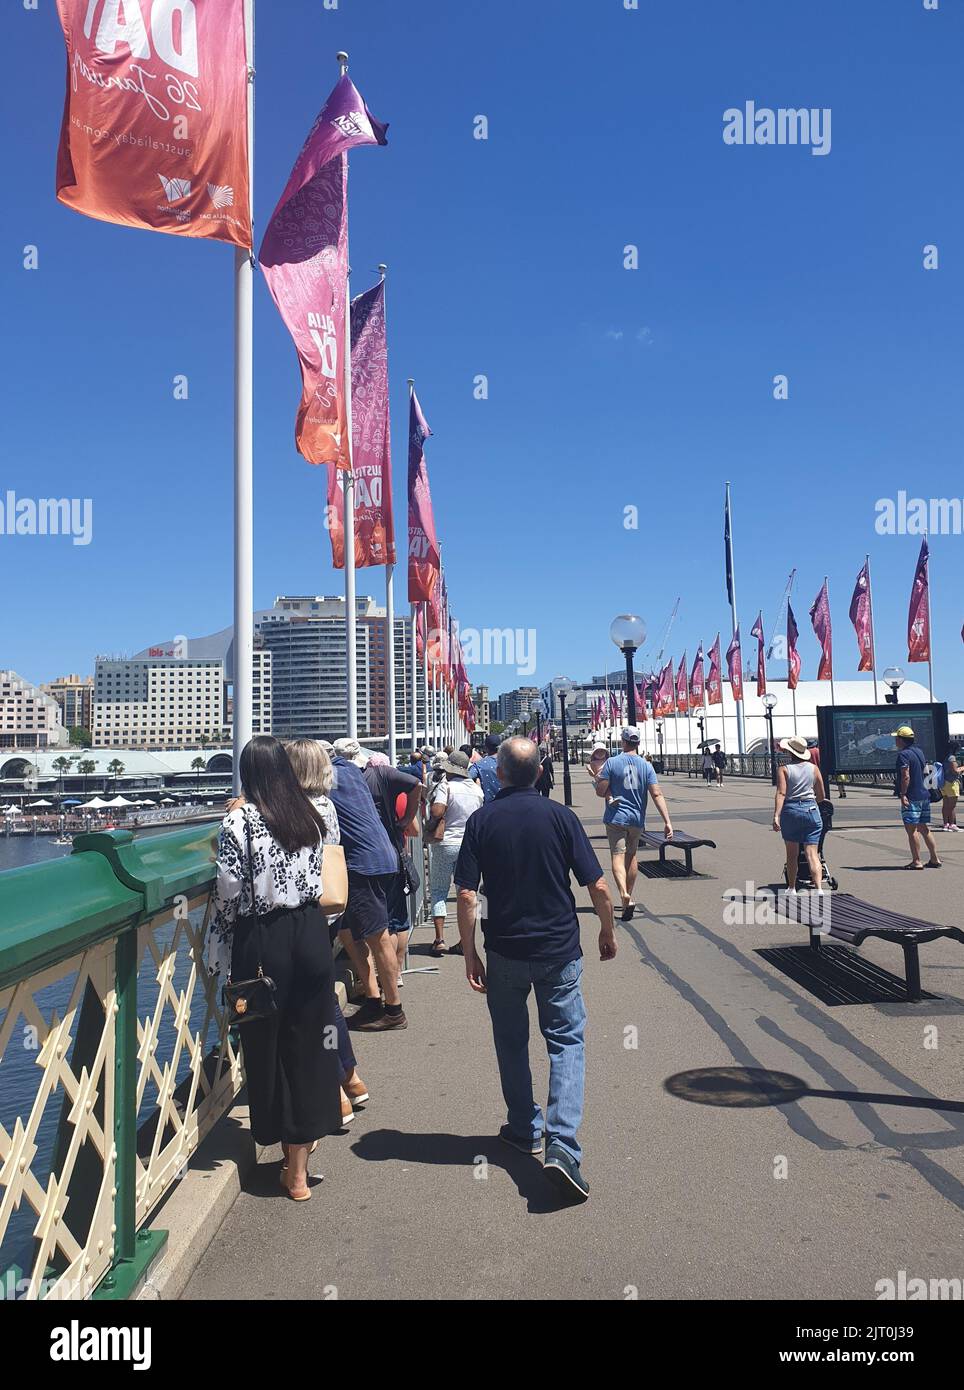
{"x":852,"y":920}
{"x":681,"y":840}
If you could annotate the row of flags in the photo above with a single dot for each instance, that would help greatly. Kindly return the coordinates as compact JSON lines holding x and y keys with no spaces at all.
{"x":173,"y":157}
{"x":674,"y":690}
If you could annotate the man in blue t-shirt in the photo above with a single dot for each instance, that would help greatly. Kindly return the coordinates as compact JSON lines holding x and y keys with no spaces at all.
{"x":484,"y":771}
{"x":628,"y":780}
{"x":915,"y":802}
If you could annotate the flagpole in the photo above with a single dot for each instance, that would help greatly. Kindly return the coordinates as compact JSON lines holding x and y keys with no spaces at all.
{"x":413,"y":677}
{"x":351,"y":636}
{"x":740,"y":729}
{"x":930,"y":626}
{"x":826,"y":585}
{"x":243,"y":674}
{"x":873,"y":635}
{"x":389,"y":615}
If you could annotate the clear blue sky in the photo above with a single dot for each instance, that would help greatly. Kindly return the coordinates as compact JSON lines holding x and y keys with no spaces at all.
{"x":608,"y":388}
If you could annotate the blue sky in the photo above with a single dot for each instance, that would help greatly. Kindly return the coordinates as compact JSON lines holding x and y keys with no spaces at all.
{"x":608,"y":388}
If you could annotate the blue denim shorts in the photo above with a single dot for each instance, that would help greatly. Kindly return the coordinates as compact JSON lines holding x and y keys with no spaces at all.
{"x":916,"y":813}
{"x":801,"y":823}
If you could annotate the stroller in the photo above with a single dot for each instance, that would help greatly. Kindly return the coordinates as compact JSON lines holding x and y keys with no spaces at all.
{"x":803,"y":867}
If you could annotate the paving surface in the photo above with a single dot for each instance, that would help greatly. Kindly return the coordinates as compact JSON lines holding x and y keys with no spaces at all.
{"x":688,"y":1199}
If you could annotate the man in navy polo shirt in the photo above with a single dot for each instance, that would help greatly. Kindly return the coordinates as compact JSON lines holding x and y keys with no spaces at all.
{"x":524,"y":847}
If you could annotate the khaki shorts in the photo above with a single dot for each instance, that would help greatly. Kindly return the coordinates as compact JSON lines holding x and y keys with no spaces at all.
{"x":623,"y":839}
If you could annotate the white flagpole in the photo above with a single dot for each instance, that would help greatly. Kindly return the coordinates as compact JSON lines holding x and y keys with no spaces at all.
{"x":740,"y":729}
{"x":826,"y":585}
{"x":413,"y":677}
{"x":243,"y":676}
{"x":390,"y":620}
{"x":351,"y":636}
{"x":873,"y":634}
{"x":930,"y":627}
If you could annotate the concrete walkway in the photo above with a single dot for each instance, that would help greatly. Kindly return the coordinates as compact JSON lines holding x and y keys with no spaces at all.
{"x":420,"y":1202}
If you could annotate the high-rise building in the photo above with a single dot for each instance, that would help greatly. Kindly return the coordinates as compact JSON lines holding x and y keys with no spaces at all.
{"x":29,"y":718}
{"x":75,"y":696}
{"x":480,"y":698}
{"x":517,"y":704}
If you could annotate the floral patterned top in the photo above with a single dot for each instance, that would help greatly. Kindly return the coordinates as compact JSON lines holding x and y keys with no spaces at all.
{"x":280,"y":879}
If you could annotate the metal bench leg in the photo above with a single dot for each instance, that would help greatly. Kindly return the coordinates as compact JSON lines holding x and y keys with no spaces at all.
{"x":689,"y":861}
{"x":912,"y":970}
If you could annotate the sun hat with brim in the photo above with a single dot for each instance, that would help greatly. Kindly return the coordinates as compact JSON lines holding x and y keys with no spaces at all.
{"x":796,"y":746}
{"x":456,"y":765}
{"x":905,"y":731}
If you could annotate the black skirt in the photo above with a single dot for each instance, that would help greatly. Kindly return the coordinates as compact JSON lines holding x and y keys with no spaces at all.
{"x":290,"y":1060}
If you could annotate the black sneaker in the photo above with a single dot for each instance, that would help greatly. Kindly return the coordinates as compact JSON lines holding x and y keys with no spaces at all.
{"x":562,"y":1170}
{"x":525,"y":1146}
{"x":370,"y":1009}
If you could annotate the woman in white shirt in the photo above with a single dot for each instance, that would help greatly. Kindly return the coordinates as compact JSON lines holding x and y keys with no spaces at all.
{"x":454,"y":799}
{"x":266,"y":918}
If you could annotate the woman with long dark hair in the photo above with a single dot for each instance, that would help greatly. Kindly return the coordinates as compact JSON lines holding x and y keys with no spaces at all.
{"x":266,"y":919}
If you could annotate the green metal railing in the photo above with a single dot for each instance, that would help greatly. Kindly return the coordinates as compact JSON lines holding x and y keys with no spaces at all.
{"x":78,"y":937}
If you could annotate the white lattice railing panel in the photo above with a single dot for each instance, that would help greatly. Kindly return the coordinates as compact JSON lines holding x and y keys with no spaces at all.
{"x":57,"y":1156}
{"x":189,"y":1071}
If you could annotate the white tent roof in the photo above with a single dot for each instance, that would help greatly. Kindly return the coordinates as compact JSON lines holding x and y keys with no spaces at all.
{"x":32,"y":805}
{"x":96,"y":803}
{"x":120,"y":801}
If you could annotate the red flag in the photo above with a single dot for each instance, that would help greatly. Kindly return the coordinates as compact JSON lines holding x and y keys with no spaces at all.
{"x":861,"y":615}
{"x":424,"y":560}
{"x":918,"y":616}
{"x":682,"y":698}
{"x":793,"y":656}
{"x":820,"y":617}
{"x":371,"y":442}
{"x":714,"y":678}
{"x":137,"y":82}
{"x":761,"y":661}
{"x":696,"y":680}
{"x":304,"y":256}
{"x":734,"y":665}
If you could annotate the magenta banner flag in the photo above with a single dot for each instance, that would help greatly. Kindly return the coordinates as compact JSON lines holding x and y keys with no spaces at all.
{"x":793,"y":656}
{"x":682,"y":698}
{"x":714,"y":678}
{"x":820,"y":617}
{"x":304,"y":256}
{"x":761,"y":661}
{"x":665,"y":702}
{"x":861,"y":615}
{"x":371,"y":442}
{"x":734,"y":666}
{"x":424,"y":560}
{"x":918,"y":615}
{"x":696,"y":680}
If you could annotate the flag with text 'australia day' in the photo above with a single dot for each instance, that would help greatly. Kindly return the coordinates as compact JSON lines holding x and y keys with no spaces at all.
{"x":696,"y":680}
{"x":714,"y":678}
{"x":761,"y":661}
{"x":155,"y":124}
{"x":862,"y":618}
{"x":424,"y":560}
{"x":820,"y":618}
{"x":793,"y":656}
{"x":918,"y":615}
{"x":734,"y":666}
{"x":304,"y":256}
{"x":371,"y":444}
{"x":682,"y":697}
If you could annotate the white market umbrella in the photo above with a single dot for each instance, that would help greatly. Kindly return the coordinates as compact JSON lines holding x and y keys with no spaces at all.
{"x":120,"y":801}
{"x":96,"y":804}
{"x":34,"y":805}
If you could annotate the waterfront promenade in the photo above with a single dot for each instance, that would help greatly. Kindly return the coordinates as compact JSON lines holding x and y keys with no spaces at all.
{"x":685,"y":1201}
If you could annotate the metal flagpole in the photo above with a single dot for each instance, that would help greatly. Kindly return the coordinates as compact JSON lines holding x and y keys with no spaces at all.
{"x":390,"y":621}
{"x":428,"y":724}
{"x":930,"y":627}
{"x":413,"y":679}
{"x":351,"y":636}
{"x":740,"y":730}
{"x":826,"y":585}
{"x":873,"y":635}
{"x":243,"y":674}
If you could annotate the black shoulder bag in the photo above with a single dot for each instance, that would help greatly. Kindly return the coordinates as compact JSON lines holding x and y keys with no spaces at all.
{"x":247,"y":1000}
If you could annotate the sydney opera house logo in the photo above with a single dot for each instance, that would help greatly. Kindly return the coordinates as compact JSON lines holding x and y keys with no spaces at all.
{"x":175,"y":189}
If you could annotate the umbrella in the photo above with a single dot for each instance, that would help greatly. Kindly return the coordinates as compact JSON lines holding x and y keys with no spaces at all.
{"x":167,"y":801}
{"x":12,"y":811}
{"x":119,"y":801}
{"x":33,"y":805}
{"x":71,"y":801}
{"x":95,"y":804}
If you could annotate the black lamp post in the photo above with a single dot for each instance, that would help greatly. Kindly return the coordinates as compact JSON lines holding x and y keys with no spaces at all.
{"x":659,"y":739}
{"x":537,"y":712}
{"x":769,"y":704}
{"x":562,"y":686}
{"x":629,"y":633}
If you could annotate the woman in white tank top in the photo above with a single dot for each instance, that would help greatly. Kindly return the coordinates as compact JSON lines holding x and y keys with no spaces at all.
{"x":796,"y":814}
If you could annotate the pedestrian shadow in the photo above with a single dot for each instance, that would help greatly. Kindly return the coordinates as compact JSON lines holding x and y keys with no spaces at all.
{"x":464,"y":1151}
{"x":745,"y":1088}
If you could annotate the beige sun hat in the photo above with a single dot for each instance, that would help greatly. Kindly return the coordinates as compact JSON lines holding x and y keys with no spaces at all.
{"x":796,"y":746}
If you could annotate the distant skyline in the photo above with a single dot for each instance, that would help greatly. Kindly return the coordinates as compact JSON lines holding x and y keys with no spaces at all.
{"x":608,"y":388}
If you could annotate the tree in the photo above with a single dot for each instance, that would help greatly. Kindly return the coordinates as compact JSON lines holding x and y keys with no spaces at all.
{"x":199,"y":766}
{"x":496,"y":728}
{"x":80,"y":737}
{"x":62,"y":765}
{"x":85,"y":767}
{"x":115,"y":767}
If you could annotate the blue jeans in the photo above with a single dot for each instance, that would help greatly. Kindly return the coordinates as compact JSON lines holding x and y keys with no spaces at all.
{"x":562,"y":1022}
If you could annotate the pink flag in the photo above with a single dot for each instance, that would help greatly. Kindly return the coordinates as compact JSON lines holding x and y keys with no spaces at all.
{"x":761,"y":661}
{"x":918,"y":616}
{"x":305,"y":262}
{"x":793,"y":656}
{"x":696,"y":680}
{"x":714,"y":679}
{"x":861,"y":615}
{"x":734,"y":666}
{"x":820,"y":617}
{"x":664,"y":694}
{"x":424,"y":558}
{"x":682,"y":699}
{"x":371,"y":444}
